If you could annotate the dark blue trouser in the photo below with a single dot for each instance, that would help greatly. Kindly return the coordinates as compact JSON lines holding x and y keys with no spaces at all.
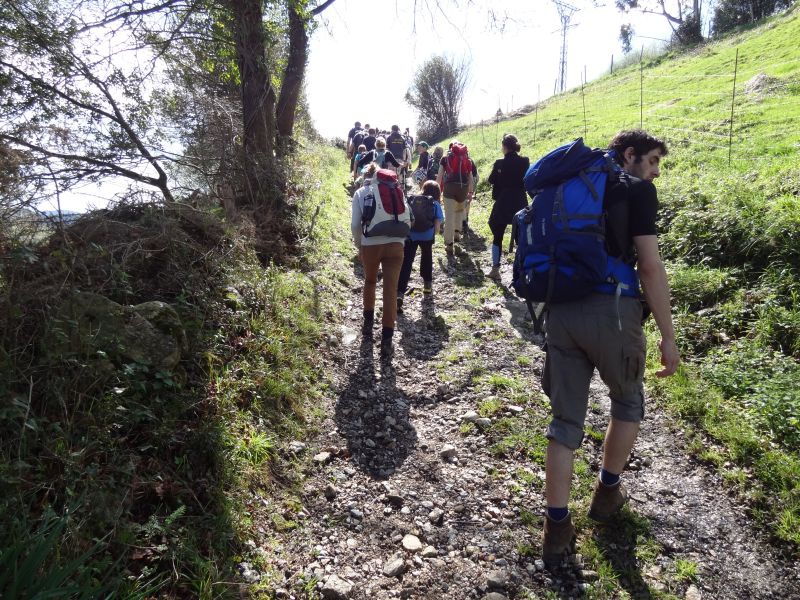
{"x":425,"y":263}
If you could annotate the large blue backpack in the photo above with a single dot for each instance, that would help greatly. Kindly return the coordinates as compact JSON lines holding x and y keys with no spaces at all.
{"x":561,"y":251}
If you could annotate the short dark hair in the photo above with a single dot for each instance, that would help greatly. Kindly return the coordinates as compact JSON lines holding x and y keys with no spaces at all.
{"x":432,"y":189}
{"x":638,"y":139}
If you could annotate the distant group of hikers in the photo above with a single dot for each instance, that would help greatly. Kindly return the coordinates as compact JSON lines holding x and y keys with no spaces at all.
{"x":586,"y":253}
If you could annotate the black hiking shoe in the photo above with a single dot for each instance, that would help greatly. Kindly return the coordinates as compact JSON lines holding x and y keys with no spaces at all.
{"x":387,"y":349}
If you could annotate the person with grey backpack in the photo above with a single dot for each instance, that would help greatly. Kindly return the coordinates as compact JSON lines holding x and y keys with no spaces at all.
{"x":428,"y":216}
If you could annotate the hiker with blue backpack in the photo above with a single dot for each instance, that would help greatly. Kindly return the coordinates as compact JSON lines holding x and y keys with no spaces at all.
{"x":508,"y":193}
{"x":583,"y":246}
{"x":427,"y":212}
{"x":380,"y":222}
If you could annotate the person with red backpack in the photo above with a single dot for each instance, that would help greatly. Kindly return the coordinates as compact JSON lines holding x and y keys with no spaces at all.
{"x":380,"y":222}
{"x":455,"y":179}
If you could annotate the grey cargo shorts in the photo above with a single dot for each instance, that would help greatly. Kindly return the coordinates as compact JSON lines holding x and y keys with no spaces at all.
{"x":581,"y":336}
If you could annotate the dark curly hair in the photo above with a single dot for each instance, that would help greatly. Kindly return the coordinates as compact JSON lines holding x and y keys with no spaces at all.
{"x":638,"y":139}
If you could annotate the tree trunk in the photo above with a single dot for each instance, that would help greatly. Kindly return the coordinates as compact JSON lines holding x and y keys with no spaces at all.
{"x":258,"y":103}
{"x":293,"y":77}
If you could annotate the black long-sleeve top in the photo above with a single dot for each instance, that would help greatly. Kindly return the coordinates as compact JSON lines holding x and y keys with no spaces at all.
{"x":370,"y":156}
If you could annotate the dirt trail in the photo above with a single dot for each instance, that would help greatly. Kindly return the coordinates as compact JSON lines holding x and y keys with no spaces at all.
{"x":409,"y":502}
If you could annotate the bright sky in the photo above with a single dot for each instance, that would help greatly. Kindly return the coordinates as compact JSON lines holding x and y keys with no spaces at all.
{"x":365,"y":54}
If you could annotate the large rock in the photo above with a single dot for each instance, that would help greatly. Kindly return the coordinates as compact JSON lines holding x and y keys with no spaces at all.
{"x":92,"y":326}
{"x":336,"y":588}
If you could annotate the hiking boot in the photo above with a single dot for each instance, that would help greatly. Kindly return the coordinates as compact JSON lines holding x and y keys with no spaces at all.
{"x":494,"y":273}
{"x":607,"y":501}
{"x":427,"y":288}
{"x":387,"y":348}
{"x":366,"y":328}
{"x":559,"y":537}
{"x":399,"y":306}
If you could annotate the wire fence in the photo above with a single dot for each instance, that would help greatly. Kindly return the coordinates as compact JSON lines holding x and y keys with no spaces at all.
{"x":719,"y":112}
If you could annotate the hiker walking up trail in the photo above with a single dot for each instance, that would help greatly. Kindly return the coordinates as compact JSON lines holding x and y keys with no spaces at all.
{"x":379,"y":155}
{"x":601,"y":329}
{"x":455,"y":179}
{"x":427,"y":212}
{"x":508,"y":193}
{"x":420,"y":173}
{"x":350,"y":135}
{"x":380,"y":221}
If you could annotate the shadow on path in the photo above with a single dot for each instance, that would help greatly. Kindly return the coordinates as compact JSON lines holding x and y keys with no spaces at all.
{"x":617,"y":541}
{"x":373,"y":416}
{"x":424,"y":337}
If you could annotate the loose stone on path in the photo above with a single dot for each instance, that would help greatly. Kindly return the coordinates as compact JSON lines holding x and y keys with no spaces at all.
{"x":412,"y":543}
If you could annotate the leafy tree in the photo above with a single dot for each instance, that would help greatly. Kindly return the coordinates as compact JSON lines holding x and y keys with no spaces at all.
{"x":70,"y":105}
{"x":85,"y":114}
{"x":437,"y":93}
{"x":729,"y":14}
{"x":683,"y":17}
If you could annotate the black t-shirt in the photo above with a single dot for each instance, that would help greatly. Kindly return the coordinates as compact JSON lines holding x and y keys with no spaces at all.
{"x":352,"y":132}
{"x":369,"y":142}
{"x":631,"y":206}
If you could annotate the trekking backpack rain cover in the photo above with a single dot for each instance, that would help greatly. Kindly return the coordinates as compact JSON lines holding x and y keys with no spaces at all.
{"x":385,"y":211}
{"x":561,"y":251}
{"x":423,"y":211}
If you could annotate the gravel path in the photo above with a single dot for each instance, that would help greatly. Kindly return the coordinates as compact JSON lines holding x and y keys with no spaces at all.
{"x":412,"y":494}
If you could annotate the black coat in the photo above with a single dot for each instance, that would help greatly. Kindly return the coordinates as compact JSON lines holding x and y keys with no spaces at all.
{"x":508,"y":189}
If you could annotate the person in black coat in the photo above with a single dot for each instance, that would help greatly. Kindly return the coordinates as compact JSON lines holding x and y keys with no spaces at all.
{"x":508,"y":193}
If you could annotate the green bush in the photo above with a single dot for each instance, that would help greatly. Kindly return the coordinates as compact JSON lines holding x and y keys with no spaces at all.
{"x":698,"y":286}
{"x":764,"y":384}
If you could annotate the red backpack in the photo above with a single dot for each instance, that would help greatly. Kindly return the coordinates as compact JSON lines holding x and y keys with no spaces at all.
{"x":386,"y":214}
{"x":457,"y":165}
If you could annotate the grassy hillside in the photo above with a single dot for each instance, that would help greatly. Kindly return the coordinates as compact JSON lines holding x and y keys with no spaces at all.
{"x":730,"y":223}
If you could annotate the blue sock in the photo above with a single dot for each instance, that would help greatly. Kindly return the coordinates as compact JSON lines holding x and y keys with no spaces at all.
{"x":495,"y":256}
{"x":607,"y":478}
{"x":557,"y":513}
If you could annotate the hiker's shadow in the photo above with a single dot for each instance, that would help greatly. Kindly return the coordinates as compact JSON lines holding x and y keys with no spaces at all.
{"x":464,"y":271}
{"x":472,"y":241}
{"x":520,"y":317}
{"x":617,"y":541}
{"x":424,"y":337}
{"x":373,"y":416}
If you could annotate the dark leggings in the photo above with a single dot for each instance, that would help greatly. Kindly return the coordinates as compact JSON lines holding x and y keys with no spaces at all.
{"x":498,"y":231}
{"x":425,"y":262}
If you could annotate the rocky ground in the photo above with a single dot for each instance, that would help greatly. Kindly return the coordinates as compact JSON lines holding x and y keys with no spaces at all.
{"x":426,"y":478}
